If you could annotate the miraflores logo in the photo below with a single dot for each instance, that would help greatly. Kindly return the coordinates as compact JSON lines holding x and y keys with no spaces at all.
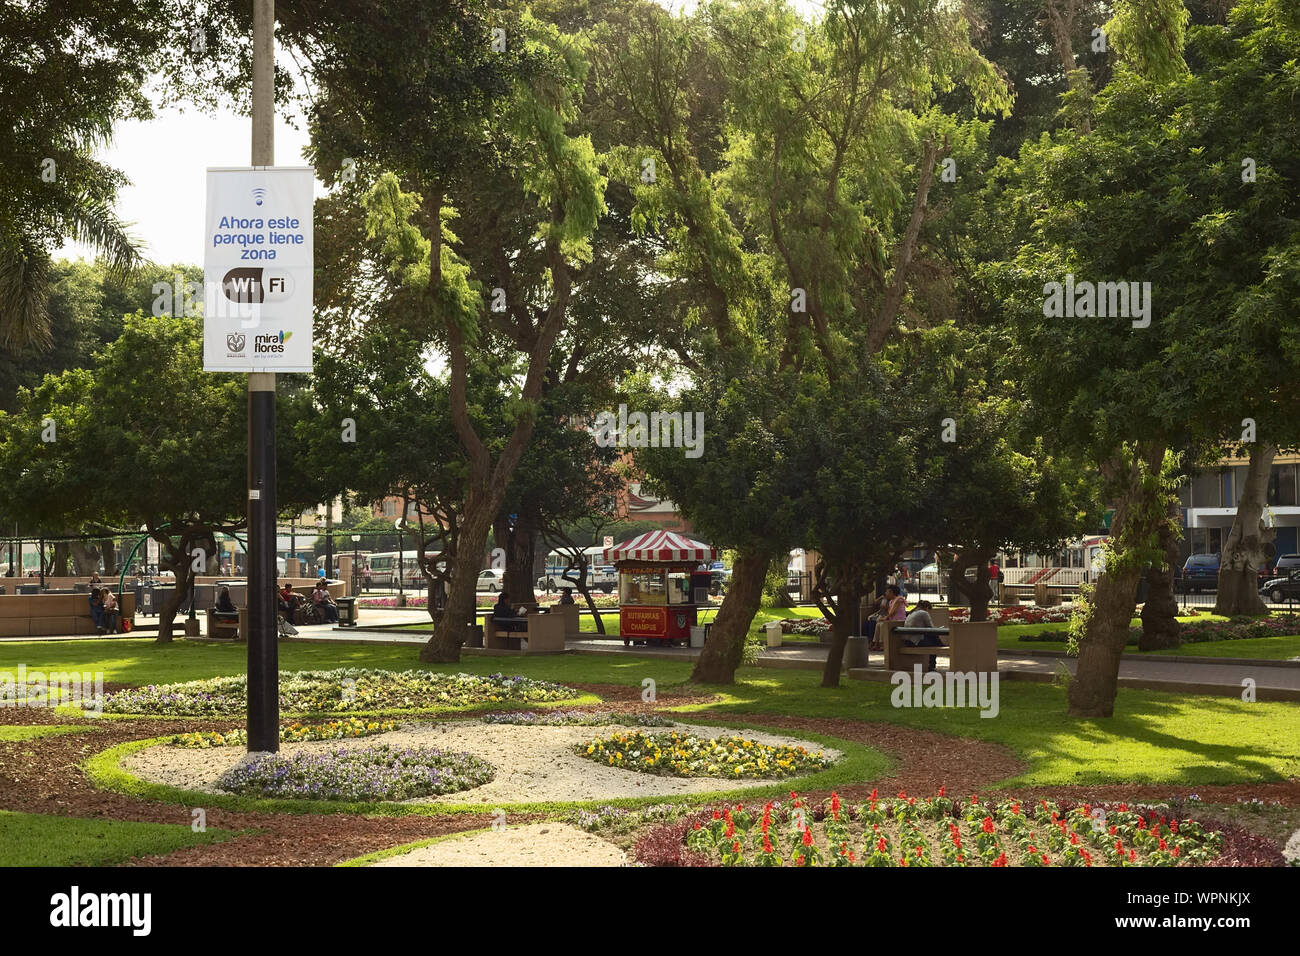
{"x":271,"y":343}
{"x":1127,"y":300}
{"x":946,"y":689}
{"x":73,"y":909}
{"x":657,"y":430}
{"x":26,"y":688}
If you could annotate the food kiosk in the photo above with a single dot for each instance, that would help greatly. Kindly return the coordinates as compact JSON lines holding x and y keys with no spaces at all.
{"x":661,"y":585}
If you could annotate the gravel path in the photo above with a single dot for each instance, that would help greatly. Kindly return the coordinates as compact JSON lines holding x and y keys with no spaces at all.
{"x":533,"y":763}
{"x":535,"y":844}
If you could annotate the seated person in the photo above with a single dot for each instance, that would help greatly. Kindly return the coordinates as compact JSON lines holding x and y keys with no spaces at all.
{"x":111,"y":611}
{"x":503,"y":614}
{"x":97,"y":610}
{"x":288,"y":600}
{"x":920,"y":617}
{"x":224,"y":603}
{"x":566,"y":596}
{"x":321,"y":598}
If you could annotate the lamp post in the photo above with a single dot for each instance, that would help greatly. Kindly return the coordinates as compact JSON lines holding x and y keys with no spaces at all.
{"x":329,"y":540}
{"x":356,"y":571}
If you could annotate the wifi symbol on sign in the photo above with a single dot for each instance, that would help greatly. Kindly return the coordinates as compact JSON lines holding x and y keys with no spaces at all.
{"x":259,"y":193}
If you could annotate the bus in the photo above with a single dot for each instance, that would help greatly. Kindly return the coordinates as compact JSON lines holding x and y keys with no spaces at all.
{"x":383,"y":568}
{"x":600,"y":576}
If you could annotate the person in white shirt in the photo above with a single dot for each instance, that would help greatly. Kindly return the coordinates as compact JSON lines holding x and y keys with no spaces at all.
{"x":920,"y":617}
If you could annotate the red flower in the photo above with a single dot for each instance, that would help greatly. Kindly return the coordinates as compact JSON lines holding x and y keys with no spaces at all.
{"x":1173,"y":826}
{"x":1163,"y":846}
{"x":1174,"y":851}
{"x":767,"y":844}
{"x":807,"y":836}
{"x":1045,"y":859}
{"x":1015,"y":809}
{"x":902,"y":860}
{"x":987,"y":825}
{"x":1032,"y":849}
{"x":697,"y":826}
{"x":1087,"y":857}
{"x":1074,"y":839}
{"x":881,"y":845}
{"x":717,"y":815}
{"x":1119,"y":847}
{"x":918,"y":851}
{"x":1123,"y":808}
{"x":1132,"y":856}
{"x":902,"y":795}
{"x":1001,"y":860}
{"x":735,"y":847}
{"x":1113,"y":830}
{"x":942,"y":791}
{"x":835,"y":804}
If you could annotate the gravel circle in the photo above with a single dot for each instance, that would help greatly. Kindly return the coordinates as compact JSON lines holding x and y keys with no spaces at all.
{"x":534,"y":844}
{"x":533,"y":763}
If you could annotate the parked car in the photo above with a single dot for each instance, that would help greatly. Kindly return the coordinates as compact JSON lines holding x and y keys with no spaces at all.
{"x":1200,"y":571}
{"x":1283,"y":589}
{"x":490,"y":580}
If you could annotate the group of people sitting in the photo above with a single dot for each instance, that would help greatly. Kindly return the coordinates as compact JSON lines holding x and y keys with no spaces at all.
{"x":104,"y":610}
{"x":893,"y":607}
{"x":292,"y":604}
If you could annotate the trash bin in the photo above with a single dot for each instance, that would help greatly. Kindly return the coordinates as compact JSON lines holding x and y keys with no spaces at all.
{"x":856,"y":652}
{"x":774,"y":633}
{"x":29,"y":589}
{"x":347,"y":611}
{"x":697,"y":636}
{"x":475,"y":638}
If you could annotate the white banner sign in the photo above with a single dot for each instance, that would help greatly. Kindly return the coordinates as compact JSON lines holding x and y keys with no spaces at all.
{"x":257,"y":270}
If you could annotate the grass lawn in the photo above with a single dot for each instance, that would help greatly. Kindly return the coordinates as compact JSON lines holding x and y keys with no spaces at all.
{"x":1010,"y":638}
{"x":1154,"y":737}
{"x":35,"y":839}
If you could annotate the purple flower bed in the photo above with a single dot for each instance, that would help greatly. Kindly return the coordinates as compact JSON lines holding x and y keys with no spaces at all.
{"x":358,"y":774}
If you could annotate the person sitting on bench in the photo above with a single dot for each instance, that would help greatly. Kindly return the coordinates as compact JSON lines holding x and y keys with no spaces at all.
{"x":321,"y":598}
{"x":97,"y":610}
{"x":503,"y":616}
{"x":288,"y":600}
{"x":224,"y":604}
{"x":111,"y":611}
{"x":920,"y":617}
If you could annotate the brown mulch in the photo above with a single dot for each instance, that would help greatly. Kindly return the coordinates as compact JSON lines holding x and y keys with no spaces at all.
{"x":45,"y":776}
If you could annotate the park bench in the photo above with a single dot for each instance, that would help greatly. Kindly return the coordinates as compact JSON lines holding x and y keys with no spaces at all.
{"x":223,"y":623}
{"x":53,"y":615}
{"x":531,"y":634}
{"x":969,"y":647}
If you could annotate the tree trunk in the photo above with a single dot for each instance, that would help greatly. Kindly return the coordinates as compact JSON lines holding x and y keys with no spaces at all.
{"x":725,"y":647}
{"x":847,"y":602}
{"x":975,"y":594}
{"x":180,"y":566}
{"x":1139,"y":512}
{"x":108,"y":553}
{"x":84,"y":558}
{"x":1160,"y":627}
{"x":60,"y":559}
{"x":449,"y":632}
{"x":519,"y":548}
{"x":1250,"y":542}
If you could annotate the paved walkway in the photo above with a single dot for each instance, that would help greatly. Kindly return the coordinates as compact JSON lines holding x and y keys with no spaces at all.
{"x":1273,"y":680}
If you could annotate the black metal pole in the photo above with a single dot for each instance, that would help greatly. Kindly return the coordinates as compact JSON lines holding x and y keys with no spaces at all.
{"x":263,"y":652}
{"x":400,"y":558}
{"x":329,"y":543}
{"x":42,"y":562}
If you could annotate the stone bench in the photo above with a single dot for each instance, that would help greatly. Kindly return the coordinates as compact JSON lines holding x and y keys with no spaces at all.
{"x":53,"y":615}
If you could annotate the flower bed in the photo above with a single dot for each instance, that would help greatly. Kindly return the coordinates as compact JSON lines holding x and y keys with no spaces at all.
{"x":685,"y":755}
{"x":805,"y":625}
{"x":371,"y":773}
{"x":1017,"y":614}
{"x":557,"y":718}
{"x":934,"y":832}
{"x":1198,"y":632}
{"x":344,"y":729}
{"x":332,"y":691}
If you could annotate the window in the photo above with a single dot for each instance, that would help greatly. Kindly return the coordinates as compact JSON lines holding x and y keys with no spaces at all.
{"x":1282,"y":485}
{"x":1227,"y":484}
{"x":390,"y":509}
{"x":644,"y":587}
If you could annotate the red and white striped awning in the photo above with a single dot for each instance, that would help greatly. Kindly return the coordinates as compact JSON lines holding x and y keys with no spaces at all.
{"x":660,"y":546}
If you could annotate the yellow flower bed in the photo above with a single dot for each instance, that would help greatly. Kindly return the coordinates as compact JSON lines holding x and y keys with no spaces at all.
{"x":342,"y":729}
{"x":680,"y":754}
